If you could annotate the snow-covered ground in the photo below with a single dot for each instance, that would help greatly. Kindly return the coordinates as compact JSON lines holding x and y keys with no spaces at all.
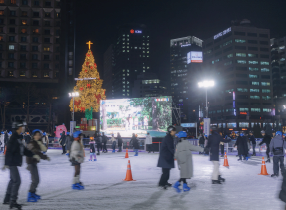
{"x":244,"y":188}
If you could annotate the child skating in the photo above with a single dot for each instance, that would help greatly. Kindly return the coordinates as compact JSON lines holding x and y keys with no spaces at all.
{"x":184,"y":158}
{"x":92,"y":149}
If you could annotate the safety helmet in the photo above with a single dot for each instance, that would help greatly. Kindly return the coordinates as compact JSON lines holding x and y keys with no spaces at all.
{"x":2,"y":132}
{"x":182,"y":134}
{"x":36,"y":131}
{"x":18,"y":124}
{"x":44,"y":134}
{"x":278,"y":133}
{"x":206,"y":135}
{"x":91,"y":138}
{"x":68,"y":133}
{"x":76,"y":134}
{"x":241,"y":134}
{"x":262,"y":131}
{"x":10,"y":133}
{"x":171,"y":128}
{"x":27,"y":133}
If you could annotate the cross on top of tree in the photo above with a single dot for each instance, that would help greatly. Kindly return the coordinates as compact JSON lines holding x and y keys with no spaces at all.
{"x":89,"y":43}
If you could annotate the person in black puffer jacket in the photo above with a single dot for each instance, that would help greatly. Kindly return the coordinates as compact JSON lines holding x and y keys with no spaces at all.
{"x":120,"y":142}
{"x":63,"y":142}
{"x":202,"y":143}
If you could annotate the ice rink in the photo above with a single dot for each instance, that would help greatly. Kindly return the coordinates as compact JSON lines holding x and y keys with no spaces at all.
{"x":243,"y":189}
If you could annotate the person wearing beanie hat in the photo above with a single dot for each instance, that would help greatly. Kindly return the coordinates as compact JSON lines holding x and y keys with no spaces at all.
{"x":184,"y":158}
{"x":76,"y":158}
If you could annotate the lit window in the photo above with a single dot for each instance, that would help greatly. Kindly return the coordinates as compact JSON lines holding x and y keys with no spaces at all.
{"x":241,"y":61}
{"x":266,"y":110}
{"x":13,"y":1}
{"x":123,"y":50}
{"x":22,"y":73}
{"x":253,"y":62}
{"x":255,"y":97}
{"x":265,"y":90}
{"x":240,"y":54}
{"x":229,"y":55}
{"x":240,"y":40}
{"x":242,"y":89}
{"x":252,"y":55}
{"x":265,"y":83}
{"x":123,"y":46}
{"x":254,"y":90}
{"x":11,"y":47}
{"x":265,"y":70}
{"x":254,"y":83}
{"x":266,"y":97}
{"x":2,"y":11}
{"x":255,"y":109}
{"x":243,"y":109}
{"x":36,"y":31}
{"x":23,"y":30}
{"x":264,"y":63}
{"x":24,"y":22}
{"x":252,"y":69}
{"x":253,"y":76}
{"x":46,"y":49}
{"x":46,"y":74}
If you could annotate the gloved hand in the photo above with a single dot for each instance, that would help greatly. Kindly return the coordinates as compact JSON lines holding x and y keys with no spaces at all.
{"x":48,"y":159}
{"x":37,"y":157}
{"x":4,"y":168}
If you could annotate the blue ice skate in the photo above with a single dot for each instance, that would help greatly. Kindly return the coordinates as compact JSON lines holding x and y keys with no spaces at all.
{"x":94,"y":160}
{"x":31,"y":197}
{"x":113,"y":151}
{"x":80,"y":186}
{"x":76,"y":187}
{"x":67,"y":154}
{"x":186,"y":188}
{"x":37,"y":196}
{"x":89,"y":159}
{"x":176,"y":186}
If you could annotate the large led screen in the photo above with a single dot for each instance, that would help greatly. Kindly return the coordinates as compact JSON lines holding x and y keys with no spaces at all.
{"x":136,"y":115}
{"x":194,"y":57}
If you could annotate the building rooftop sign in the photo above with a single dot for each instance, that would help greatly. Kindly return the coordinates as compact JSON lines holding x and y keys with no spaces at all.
{"x":222,"y":33}
{"x":132,"y":31}
{"x":185,"y":45}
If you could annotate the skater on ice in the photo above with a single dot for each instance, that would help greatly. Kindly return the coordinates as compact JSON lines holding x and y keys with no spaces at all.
{"x":266,"y":140}
{"x":37,"y":147}
{"x":242,"y":148}
{"x":92,"y":149}
{"x":119,"y":142}
{"x":184,"y":158}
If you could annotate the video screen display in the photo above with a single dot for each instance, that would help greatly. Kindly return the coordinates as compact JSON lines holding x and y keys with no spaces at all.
{"x":136,"y":115}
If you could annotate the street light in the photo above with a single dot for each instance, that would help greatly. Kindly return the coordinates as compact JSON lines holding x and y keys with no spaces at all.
{"x":206,"y":84}
{"x":73,"y":94}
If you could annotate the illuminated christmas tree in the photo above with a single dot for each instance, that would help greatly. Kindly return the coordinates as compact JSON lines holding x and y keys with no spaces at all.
{"x":89,"y":87}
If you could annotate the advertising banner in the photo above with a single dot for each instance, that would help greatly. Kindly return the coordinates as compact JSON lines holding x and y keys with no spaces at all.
{"x":207,"y":122}
{"x":72,"y":126}
{"x":195,"y":57}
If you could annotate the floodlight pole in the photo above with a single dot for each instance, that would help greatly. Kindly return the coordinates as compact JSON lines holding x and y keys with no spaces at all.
{"x":72,"y":108}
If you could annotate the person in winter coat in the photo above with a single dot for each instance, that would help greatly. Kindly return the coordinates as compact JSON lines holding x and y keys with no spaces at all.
{"x":62,"y":142}
{"x":184,"y":158}
{"x":206,"y":150}
{"x":104,"y":142}
{"x":92,"y":149}
{"x":113,"y":142}
{"x":253,"y":142}
{"x":277,"y":147}
{"x":69,"y":141}
{"x":13,"y":159}
{"x":98,"y":141}
{"x":213,"y":145}
{"x":120,"y":142}
{"x":266,"y":140}
{"x":166,"y":157}
{"x":37,"y":147}
{"x":77,"y":158}
{"x":45,"y":140}
{"x":149,"y":143}
{"x":242,"y":148}
{"x":135,"y":143}
{"x":27,"y":138}
{"x":6,"y":138}
{"x":201,"y":142}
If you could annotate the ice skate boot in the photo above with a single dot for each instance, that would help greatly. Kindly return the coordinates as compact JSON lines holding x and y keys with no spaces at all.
{"x":37,"y":196}
{"x":253,"y":154}
{"x":94,"y":160}
{"x":67,"y":154}
{"x":186,"y":188}
{"x":220,"y":178}
{"x":14,"y":204}
{"x":268,"y":160}
{"x":176,"y":186}
{"x":75,"y":187}
{"x":6,"y":199}
{"x":169,"y":184}
{"x":31,"y":197}
{"x":216,"y":182}
{"x":274,"y":175}
{"x":239,"y":159}
{"x":80,"y":185}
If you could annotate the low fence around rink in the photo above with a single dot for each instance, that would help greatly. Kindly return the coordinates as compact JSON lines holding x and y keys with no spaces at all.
{"x":228,"y":147}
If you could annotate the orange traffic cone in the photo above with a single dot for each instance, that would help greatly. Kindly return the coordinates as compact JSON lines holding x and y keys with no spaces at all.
{"x":263,"y":168}
{"x":129,"y":173}
{"x":5,"y":150}
{"x":126,"y":155}
{"x":225,"y":163}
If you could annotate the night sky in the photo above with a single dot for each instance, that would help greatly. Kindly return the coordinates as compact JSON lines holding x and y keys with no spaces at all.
{"x":97,"y":21}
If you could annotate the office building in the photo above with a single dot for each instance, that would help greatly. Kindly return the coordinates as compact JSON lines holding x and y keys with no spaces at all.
{"x":30,"y":41}
{"x":149,"y":85}
{"x":131,"y":53}
{"x":108,"y":58}
{"x":238,"y":60}
{"x":278,"y":57}
{"x":181,"y":68}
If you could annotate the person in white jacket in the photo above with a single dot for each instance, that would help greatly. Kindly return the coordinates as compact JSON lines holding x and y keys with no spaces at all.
{"x":76,"y":158}
{"x":148,"y":142}
{"x":184,"y":158}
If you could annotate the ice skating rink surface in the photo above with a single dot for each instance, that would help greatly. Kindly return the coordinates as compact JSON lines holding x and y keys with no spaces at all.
{"x":104,"y":188}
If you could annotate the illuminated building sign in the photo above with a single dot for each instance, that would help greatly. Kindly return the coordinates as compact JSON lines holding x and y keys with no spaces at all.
{"x":222,"y":33}
{"x":135,"y":31}
{"x":244,"y":113}
{"x":185,"y":45}
{"x":194,"y":57}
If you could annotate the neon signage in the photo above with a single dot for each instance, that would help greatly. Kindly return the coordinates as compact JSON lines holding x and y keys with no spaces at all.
{"x":132,"y":31}
{"x":222,"y":33}
{"x":185,"y":45}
